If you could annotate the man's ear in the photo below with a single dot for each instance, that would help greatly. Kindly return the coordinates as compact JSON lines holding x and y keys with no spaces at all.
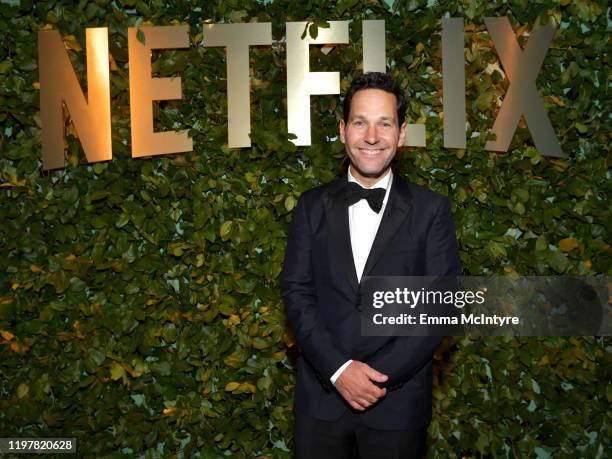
{"x":341,"y":127}
{"x":402,"y":134}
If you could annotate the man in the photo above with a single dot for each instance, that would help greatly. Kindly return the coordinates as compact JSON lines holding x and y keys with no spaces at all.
{"x":359,"y":396}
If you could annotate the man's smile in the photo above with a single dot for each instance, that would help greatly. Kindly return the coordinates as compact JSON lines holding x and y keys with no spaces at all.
{"x":371,"y":151}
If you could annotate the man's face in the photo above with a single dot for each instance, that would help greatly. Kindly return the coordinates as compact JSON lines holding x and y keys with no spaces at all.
{"x":372,"y":134}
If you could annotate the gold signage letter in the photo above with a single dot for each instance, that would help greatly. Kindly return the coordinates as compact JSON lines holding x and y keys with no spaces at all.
{"x":301,"y":82}
{"x":237,"y":38}
{"x":374,"y":52}
{"x":144,"y":90}
{"x":453,"y":83}
{"x":522,"y":97}
{"x":59,"y":83}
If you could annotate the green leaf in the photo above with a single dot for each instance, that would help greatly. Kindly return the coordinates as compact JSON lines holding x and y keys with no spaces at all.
{"x":122,"y":220}
{"x":313,"y":30}
{"x":116,"y":371}
{"x":225,"y":229}
{"x":22,"y":390}
{"x":94,"y":359}
{"x":161,"y":368}
{"x":290,"y":203}
{"x":558,"y":261}
{"x":541,"y":244}
{"x":140,"y":36}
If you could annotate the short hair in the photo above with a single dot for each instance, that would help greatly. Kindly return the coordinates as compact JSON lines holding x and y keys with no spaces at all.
{"x":376,"y":80}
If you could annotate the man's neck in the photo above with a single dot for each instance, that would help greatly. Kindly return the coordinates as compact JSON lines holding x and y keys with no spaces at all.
{"x":368,"y":182}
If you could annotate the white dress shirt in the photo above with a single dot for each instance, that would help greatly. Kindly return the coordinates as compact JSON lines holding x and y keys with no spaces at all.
{"x":363,"y":226}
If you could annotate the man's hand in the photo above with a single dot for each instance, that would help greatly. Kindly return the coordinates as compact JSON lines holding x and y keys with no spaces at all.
{"x":356,"y":386}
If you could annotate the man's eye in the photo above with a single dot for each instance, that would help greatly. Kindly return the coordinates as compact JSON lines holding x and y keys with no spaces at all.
{"x":358,"y":123}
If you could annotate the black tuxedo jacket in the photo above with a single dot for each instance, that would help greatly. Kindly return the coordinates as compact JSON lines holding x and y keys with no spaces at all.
{"x":416,"y":237}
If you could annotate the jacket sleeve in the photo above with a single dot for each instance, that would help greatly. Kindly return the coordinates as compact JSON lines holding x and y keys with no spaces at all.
{"x":301,"y":303}
{"x":403,"y":357}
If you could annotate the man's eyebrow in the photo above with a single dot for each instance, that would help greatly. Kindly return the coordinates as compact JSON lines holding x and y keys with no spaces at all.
{"x":363,"y":117}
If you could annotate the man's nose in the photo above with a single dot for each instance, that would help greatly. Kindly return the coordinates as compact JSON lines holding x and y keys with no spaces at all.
{"x":371,"y":134}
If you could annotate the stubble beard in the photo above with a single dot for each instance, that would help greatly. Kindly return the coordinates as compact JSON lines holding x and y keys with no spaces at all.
{"x":373,"y":174}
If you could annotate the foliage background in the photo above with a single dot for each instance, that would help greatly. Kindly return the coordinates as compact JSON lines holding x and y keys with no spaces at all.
{"x":139,"y":301}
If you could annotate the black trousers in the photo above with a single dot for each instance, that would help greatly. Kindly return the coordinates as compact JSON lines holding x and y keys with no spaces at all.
{"x":350,"y":438}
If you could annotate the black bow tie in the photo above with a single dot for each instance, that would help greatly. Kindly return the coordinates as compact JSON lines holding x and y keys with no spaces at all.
{"x":374,"y":196}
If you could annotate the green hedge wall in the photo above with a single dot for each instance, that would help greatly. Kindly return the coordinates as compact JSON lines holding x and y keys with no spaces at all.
{"x":139,"y":300}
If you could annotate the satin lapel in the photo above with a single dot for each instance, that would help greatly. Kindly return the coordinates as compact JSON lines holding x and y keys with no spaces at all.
{"x":336,"y":211}
{"x":397,"y":209}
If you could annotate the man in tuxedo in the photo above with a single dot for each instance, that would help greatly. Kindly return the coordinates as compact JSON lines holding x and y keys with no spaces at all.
{"x":363,"y":396}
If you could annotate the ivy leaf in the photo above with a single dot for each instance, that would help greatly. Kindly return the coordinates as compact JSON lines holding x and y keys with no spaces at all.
{"x":558,"y":261}
{"x":161,"y":368}
{"x":23,"y":390}
{"x":313,"y":30}
{"x":122,"y":220}
{"x":140,"y":36}
{"x":116,"y":371}
{"x":225,"y":229}
{"x":290,"y":203}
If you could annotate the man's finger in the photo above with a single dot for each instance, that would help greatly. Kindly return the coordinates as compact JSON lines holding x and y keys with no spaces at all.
{"x":364,"y":403}
{"x":357,"y":406}
{"x":377,"y":376}
{"x":369,"y":392}
{"x":376,"y":393}
{"x":369,"y":372}
{"x":370,"y":399}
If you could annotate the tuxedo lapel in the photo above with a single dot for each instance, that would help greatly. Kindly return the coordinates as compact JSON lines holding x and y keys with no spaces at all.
{"x":336,"y":210}
{"x":396,"y":210}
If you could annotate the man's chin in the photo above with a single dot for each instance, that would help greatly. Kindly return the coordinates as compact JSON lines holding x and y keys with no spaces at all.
{"x":372,"y":174}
